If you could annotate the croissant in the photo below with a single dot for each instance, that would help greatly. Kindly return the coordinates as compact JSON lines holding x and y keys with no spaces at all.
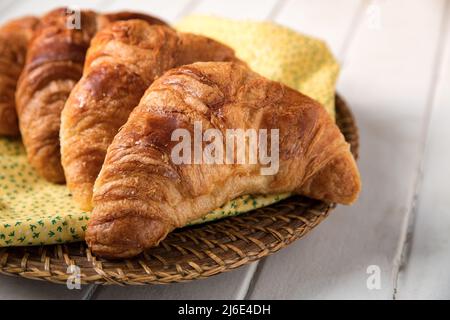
{"x":143,"y":193}
{"x":123,"y":60}
{"x":14,"y":38}
{"x":53,"y":65}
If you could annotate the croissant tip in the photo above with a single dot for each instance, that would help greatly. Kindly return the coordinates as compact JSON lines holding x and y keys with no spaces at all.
{"x":125,"y":236}
{"x":113,"y":253}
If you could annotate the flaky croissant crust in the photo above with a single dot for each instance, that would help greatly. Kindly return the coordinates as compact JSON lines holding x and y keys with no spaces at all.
{"x":141,"y":195}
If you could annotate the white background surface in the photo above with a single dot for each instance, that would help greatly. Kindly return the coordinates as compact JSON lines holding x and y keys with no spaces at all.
{"x":395,"y":57}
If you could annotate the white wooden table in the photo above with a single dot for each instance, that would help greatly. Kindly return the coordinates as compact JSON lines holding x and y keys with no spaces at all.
{"x":395,"y":57}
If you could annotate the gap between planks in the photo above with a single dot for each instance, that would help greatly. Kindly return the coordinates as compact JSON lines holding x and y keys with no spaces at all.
{"x":401,"y":258}
{"x":352,"y":30}
{"x":188,"y":8}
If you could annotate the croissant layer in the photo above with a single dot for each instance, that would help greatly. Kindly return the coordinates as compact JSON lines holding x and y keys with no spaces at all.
{"x":142,"y":193}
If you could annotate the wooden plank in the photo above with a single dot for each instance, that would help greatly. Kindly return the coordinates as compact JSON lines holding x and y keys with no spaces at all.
{"x":30,"y":7}
{"x":12,"y":288}
{"x":163,"y":9}
{"x":386,"y":80}
{"x":230,"y":285}
{"x":167,"y":10}
{"x":4,"y":7}
{"x":329,"y":20}
{"x":237,"y":9}
{"x":425,"y":274}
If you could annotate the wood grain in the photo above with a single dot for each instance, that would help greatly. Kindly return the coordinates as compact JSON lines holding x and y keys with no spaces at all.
{"x":425,"y":269}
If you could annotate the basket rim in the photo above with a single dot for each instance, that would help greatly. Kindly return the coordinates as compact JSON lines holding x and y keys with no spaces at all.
{"x":189,"y":253}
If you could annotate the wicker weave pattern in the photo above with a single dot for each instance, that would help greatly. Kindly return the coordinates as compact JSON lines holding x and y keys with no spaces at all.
{"x":189,"y":253}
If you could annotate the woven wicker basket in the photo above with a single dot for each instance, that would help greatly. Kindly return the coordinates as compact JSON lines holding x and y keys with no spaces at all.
{"x":189,"y":253}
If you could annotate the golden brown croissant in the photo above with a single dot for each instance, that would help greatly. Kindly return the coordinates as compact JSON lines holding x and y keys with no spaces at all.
{"x":54,"y":64}
{"x":141,"y":194}
{"x":14,"y":38}
{"x":122,"y":62}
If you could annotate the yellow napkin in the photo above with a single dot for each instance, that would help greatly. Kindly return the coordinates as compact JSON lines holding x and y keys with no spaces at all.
{"x":276,"y":52}
{"x":33,"y":211}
